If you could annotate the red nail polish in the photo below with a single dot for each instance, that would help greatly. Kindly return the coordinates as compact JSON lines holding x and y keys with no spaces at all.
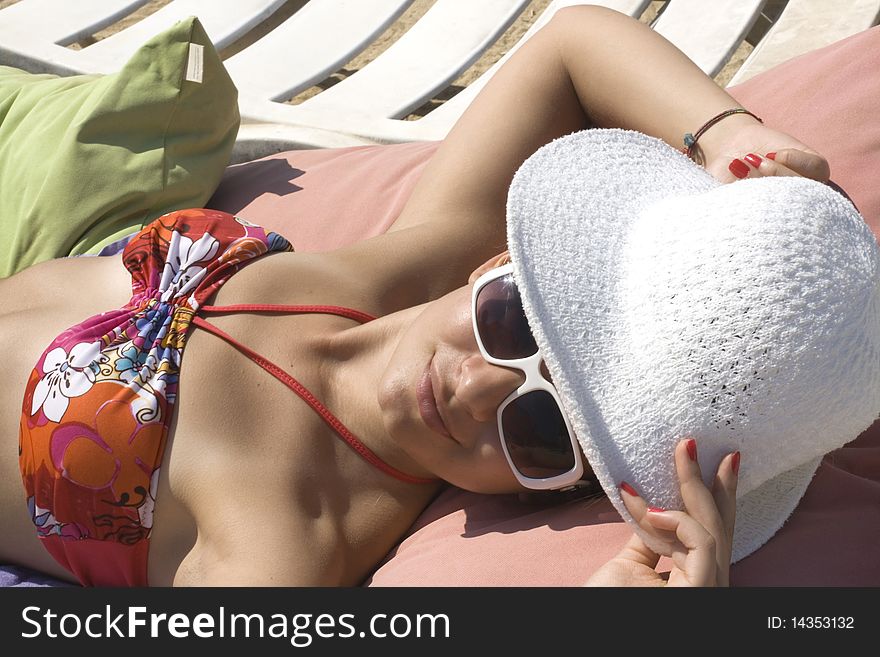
{"x":735,"y":463}
{"x":628,"y":489}
{"x":771,"y":156}
{"x":691,"y":446}
{"x":738,"y":168}
{"x":655,"y":509}
{"x":753,"y":159}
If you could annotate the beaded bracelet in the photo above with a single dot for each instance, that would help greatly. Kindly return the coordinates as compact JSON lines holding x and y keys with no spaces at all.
{"x":690,"y":140}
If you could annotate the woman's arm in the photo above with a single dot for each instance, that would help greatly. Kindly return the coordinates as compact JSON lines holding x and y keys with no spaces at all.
{"x":588,"y":66}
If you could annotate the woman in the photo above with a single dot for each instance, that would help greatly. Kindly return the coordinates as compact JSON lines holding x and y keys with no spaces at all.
{"x":252,"y":487}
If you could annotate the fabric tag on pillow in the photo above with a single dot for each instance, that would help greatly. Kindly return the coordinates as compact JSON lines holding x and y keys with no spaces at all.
{"x":194,"y":62}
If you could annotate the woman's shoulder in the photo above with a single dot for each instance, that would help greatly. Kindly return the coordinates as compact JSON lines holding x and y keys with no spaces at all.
{"x":296,"y":278}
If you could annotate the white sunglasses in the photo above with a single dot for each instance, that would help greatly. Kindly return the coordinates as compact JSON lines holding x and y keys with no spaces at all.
{"x":535,"y":433}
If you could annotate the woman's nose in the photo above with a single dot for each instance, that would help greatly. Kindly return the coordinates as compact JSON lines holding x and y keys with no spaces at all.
{"x":483,"y":386}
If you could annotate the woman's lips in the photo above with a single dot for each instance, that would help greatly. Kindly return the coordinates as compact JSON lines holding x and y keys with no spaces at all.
{"x":428,"y":404}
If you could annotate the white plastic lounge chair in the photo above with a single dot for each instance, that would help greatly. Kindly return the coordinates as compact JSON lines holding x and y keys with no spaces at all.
{"x":370,"y":105}
{"x":422,"y":62}
{"x":311,"y":45}
{"x":223,"y":20}
{"x":709,"y":38}
{"x":433,"y":53}
{"x":70,"y":22}
{"x":805,"y":25}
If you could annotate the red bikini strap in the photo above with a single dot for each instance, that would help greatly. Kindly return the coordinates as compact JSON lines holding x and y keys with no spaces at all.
{"x":331,"y":420}
{"x":356,"y":315}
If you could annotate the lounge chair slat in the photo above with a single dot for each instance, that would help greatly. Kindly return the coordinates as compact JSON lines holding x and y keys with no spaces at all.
{"x":223,"y":20}
{"x":71,"y":19}
{"x":708,"y":32}
{"x":449,"y":111}
{"x":437,"y":49}
{"x":805,"y":25}
{"x":310,"y":45}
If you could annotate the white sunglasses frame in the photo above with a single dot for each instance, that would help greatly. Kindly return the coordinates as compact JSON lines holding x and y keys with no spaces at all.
{"x":531,"y":367}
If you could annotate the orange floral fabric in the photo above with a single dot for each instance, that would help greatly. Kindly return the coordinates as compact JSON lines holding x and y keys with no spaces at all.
{"x":99,"y":401}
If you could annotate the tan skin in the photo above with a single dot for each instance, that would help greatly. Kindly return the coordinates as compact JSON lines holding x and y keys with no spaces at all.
{"x":254,"y":488}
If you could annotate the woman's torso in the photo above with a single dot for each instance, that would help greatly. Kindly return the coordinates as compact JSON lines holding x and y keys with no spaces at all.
{"x":250,"y":474}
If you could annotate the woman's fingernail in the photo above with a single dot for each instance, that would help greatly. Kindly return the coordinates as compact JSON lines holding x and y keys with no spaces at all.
{"x":628,"y":489}
{"x":753,"y":159}
{"x":738,"y":168}
{"x":655,"y":509}
{"x":691,"y":446}
{"x":734,"y":463}
{"x":771,"y":156}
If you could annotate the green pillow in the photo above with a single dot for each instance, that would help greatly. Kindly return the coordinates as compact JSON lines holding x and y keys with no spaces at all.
{"x":88,"y":159}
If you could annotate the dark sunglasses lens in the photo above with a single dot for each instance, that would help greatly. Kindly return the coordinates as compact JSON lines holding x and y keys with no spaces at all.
{"x":536,"y":436}
{"x":502,"y":322}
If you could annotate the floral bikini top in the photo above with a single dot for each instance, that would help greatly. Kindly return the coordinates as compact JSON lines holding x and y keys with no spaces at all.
{"x":99,"y":401}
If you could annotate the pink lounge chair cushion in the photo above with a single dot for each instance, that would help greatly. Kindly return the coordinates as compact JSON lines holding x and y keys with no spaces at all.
{"x":464,"y":539}
{"x":324,"y":199}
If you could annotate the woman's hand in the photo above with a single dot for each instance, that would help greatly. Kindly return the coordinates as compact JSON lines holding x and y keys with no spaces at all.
{"x":698,"y":540}
{"x":754,"y":150}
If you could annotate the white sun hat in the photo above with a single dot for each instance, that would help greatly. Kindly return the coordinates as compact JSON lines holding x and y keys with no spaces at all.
{"x":668,"y":305}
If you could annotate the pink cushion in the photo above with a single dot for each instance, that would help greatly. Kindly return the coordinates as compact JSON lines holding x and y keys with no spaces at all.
{"x":464,"y":539}
{"x":324,"y":199}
